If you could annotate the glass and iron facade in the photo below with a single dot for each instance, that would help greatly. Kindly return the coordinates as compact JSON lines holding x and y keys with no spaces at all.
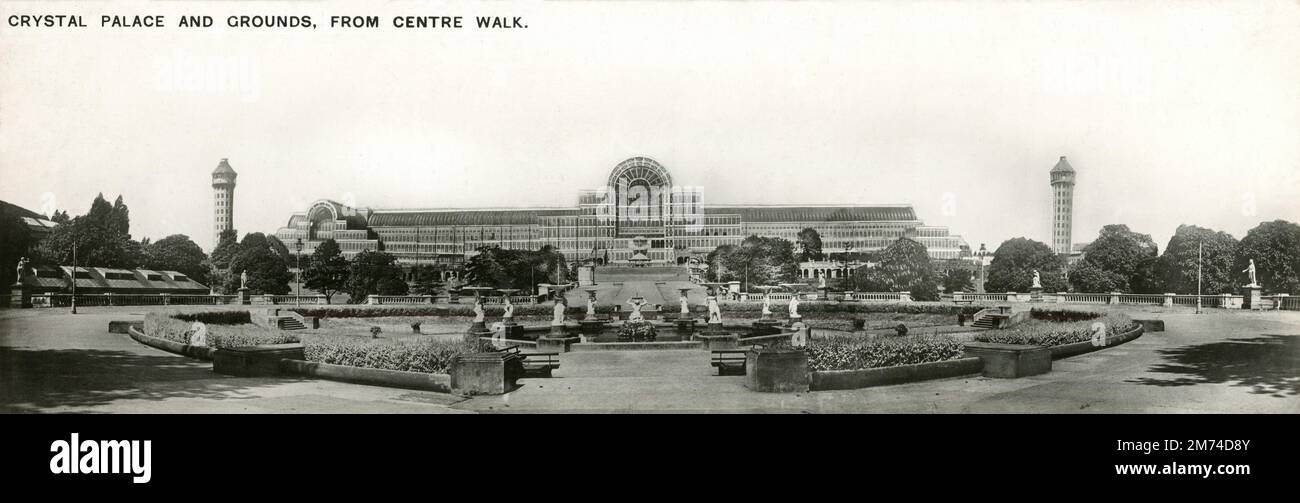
{"x":638,"y":217}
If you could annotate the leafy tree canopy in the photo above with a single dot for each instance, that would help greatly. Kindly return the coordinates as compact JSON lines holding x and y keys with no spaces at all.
{"x":374,"y":273}
{"x":1177,"y":268}
{"x":1014,"y":262}
{"x":810,"y":245}
{"x":177,"y":253}
{"x":1275,"y":247}
{"x":1128,"y":258}
{"x":326,"y":271}
{"x":755,"y":261}
{"x":903,"y":266}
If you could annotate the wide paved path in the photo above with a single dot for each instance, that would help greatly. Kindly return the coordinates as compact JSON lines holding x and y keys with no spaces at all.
{"x":51,"y":361}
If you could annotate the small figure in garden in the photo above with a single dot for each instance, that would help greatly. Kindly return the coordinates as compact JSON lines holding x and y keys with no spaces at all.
{"x":591,"y":307}
{"x":198,"y":334}
{"x":22,"y":268}
{"x":1250,"y":271}
{"x":715,"y":314}
{"x":794,"y":306}
{"x":767,"y":306}
{"x":243,"y":279}
{"x":374,"y":332}
{"x":557,"y":313}
{"x":479,"y":313}
{"x":510,"y":308}
{"x":799,"y":338}
{"x":637,"y":303}
{"x":901,"y":329}
{"x":498,"y":335}
{"x":686,"y":309}
{"x":821,"y":282}
{"x":1038,"y":281}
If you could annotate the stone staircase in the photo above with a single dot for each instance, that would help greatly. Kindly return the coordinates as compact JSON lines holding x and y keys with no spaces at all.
{"x":289,"y":323}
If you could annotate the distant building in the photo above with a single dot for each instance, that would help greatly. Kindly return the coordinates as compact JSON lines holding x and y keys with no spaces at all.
{"x":223,"y":200}
{"x":1062,"y":176}
{"x":38,"y":226}
{"x":40,"y":280}
{"x":638,"y":218}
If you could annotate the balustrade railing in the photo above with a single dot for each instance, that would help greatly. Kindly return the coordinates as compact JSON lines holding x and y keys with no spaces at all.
{"x":399,"y":299}
{"x":986,"y":297}
{"x":114,"y":299}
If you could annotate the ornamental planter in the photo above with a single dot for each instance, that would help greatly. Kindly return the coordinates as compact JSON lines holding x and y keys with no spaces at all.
{"x":492,"y":373}
{"x":1011,"y":360}
{"x":776,"y":370}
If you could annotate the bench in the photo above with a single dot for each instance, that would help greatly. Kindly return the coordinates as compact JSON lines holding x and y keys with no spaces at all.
{"x":536,"y":364}
{"x":729,"y":361}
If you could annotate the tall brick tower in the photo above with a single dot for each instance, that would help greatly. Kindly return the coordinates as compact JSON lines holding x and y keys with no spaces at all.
{"x":223,"y":202}
{"x":1063,"y":206}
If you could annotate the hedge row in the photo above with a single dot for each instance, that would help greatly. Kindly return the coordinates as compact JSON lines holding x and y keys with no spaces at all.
{"x":215,"y":317}
{"x":420,"y":355}
{"x":175,"y":327}
{"x":1048,"y":333}
{"x":1061,"y":315}
{"x":848,"y":352}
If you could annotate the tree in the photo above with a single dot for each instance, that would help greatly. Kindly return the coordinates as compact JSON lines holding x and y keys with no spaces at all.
{"x":520,"y":269}
{"x":374,"y":273}
{"x":102,"y":238}
{"x":280,"y":250}
{"x":1014,"y":263}
{"x":1088,"y":277}
{"x":755,"y":261}
{"x":1275,"y":247}
{"x":177,"y":253}
{"x":1177,"y":268}
{"x":1128,"y":258}
{"x":226,"y":249}
{"x":327,"y":270}
{"x":810,"y":245}
{"x":958,"y":280}
{"x":903,"y":266}
{"x":267,"y":273}
{"x":428,"y":280}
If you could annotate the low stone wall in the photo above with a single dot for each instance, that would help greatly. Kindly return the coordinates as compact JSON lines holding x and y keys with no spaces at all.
{"x":361,"y":375}
{"x":1078,"y":348}
{"x":121,"y":327}
{"x":200,"y":352}
{"x":865,"y":378}
{"x":1151,"y":325}
{"x":634,"y":346}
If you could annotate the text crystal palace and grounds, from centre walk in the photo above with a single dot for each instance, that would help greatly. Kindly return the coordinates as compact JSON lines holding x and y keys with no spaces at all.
{"x":638,"y":217}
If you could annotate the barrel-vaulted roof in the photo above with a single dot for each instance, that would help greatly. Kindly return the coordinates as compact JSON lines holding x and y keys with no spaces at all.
{"x":782,"y":213}
{"x":485,"y":216}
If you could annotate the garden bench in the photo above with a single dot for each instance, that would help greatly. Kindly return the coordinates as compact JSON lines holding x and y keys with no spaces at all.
{"x":536,"y":364}
{"x":729,"y":361}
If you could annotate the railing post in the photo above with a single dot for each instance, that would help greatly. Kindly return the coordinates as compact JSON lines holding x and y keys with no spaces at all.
{"x":1060,"y":297}
{"x":905,"y":296}
{"x":1114,"y":298}
{"x":428,"y":299}
{"x":1169,"y":300}
{"x":372,"y":299}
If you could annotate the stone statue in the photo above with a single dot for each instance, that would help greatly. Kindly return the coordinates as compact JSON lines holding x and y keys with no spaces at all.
{"x":794,"y":305}
{"x":1250,"y":271}
{"x":478,"y":311}
{"x":22,"y":268}
{"x":636,"y":303}
{"x":243,"y":279}
{"x":715,"y":314}
{"x":799,"y":338}
{"x":767,"y":305}
{"x":499,"y":335}
{"x":510,"y":308}
{"x":591,"y":308}
{"x":821,"y":282}
{"x":686,"y":308}
{"x":1038,"y":280}
{"x":557,"y":313}
{"x":198,"y":334}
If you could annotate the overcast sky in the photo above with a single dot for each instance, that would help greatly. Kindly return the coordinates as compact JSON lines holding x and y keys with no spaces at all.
{"x":1171,"y":113}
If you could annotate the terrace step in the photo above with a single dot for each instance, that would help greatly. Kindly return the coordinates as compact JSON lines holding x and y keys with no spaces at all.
{"x":288,"y":323}
{"x":989,"y":321}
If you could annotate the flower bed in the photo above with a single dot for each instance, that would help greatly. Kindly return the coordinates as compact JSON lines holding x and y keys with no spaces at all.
{"x":425,"y":354}
{"x":174,"y":327}
{"x":1050,"y":333}
{"x":1060,"y":315}
{"x":849,"y":352}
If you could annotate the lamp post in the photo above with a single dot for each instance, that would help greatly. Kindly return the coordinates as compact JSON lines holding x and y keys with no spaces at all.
{"x":297,"y":277}
{"x":980,"y":259}
{"x":74,"y":275}
{"x":1199,"y":246}
{"x":848,"y":248}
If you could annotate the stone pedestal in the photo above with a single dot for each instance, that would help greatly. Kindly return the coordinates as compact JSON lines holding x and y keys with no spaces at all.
{"x":242,"y":297}
{"x":685,"y":325}
{"x":777,"y":370}
{"x":254,"y":361}
{"x":724,"y":341}
{"x":1011,"y":360}
{"x":492,"y":373}
{"x":1036,"y":294}
{"x":766,"y":327}
{"x":591,"y":327}
{"x":476,"y":330}
{"x":20,"y":296}
{"x":794,"y":319}
{"x":555,"y":343}
{"x":1253,"y":295}
{"x":714,"y":328}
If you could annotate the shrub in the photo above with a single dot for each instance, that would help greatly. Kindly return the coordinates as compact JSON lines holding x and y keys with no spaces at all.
{"x":176,"y":327}
{"x":250,"y":335}
{"x":424,"y":354}
{"x":848,"y":352}
{"x":637,"y":331}
{"x":1048,"y":333}
{"x":1039,"y":313}
{"x":215,"y":317}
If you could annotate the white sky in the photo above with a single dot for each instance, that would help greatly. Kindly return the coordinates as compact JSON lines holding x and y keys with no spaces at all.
{"x":1172,"y":113}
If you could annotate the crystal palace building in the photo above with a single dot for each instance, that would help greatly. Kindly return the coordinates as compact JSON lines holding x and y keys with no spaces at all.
{"x":639,"y":217}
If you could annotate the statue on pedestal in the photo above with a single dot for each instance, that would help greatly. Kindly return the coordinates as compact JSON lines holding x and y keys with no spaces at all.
{"x":591,"y":307}
{"x":1250,"y":271}
{"x":557,"y":313}
{"x":794,"y":306}
{"x":686,"y":309}
{"x":1038,"y":280}
{"x":636,"y":303}
{"x":510,"y":308}
{"x":243,"y":279}
{"x":22,"y":268}
{"x":715,"y":314}
{"x":479,"y":313}
{"x":767,"y":306}
{"x":821,"y":282}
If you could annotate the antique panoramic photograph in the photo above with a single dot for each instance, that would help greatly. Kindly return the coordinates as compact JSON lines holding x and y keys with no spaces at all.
{"x":636,"y":207}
